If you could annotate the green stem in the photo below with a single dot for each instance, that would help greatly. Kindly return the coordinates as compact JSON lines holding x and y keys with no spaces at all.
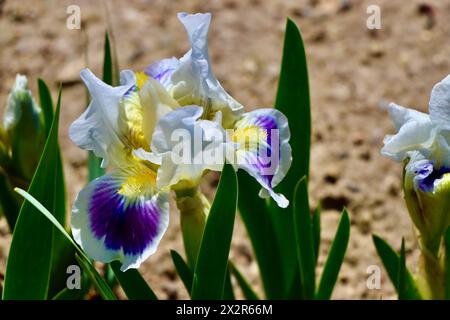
{"x":431,"y":273}
{"x":194,"y":209}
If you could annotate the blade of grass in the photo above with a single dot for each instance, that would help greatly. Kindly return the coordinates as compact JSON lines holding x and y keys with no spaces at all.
{"x":100,"y":284}
{"x":401,"y":278}
{"x":132,"y":283}
{"x":304,"y":239}
{"x":228,"y":293}
{"x":211,"y":268}
{"x":102,"y":287}
{"x":293,"y":101}
{"x":247,"y":290}
{"x":335,"y":258}
{"x":260,"y":228}
{"x":447,"y":264}
{"x":62,"y":255}
{"x":316,"y":231}
{"x":45,"y":98}
{"x":183,"y":270}
{"x":30,"y":257}
{"x":390,"y":261}
{"x":11,"y":205}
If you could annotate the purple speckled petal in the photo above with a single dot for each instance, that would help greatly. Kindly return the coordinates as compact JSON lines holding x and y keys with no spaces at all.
{"x":112,"y":224}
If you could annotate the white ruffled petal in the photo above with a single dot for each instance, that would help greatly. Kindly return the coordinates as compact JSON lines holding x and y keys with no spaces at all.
{"x":187,"y":146}
{"x":416,"y":134}
{"x":97,"y":129}
{"x":440,"y":102}
{"x":120,"y":216}
{"x":192,"y":82}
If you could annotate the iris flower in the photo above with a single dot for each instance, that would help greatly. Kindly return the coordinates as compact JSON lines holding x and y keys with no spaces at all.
{"x":423,"y":141}
{"x":124,"y":214}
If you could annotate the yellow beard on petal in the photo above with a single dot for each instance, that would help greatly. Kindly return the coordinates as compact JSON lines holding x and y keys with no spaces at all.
{"x":141,"y":78}
{"x":140,"y":182}
{"x":131,"y":121}
{"x":250,"y":137}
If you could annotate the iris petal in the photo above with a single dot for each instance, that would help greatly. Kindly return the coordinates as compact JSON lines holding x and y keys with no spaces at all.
{"x":186,"y":145}
{"x":98,"y":129}
{"x":440,"y":102}
{"x":263,"y":150}
{"x":415,"y":132}
{"x":120,"y":216}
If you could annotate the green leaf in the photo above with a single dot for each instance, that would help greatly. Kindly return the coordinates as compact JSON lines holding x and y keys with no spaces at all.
{"x":102,"y":287}
{"x":228,"y":293}
{"x":9,"y":203}
{"x":63,"y":254}
{"x":109,"y":275}
{"x":293,"y":101}
{"x":247,"y":290}
{"x":132,"y":283}
{"x":259,"y":224}
{"x":335,"y":258}
{"x":391,"y":262}
{"x":107,"y":62}
{"x":94,"y":168}
{"x":68,"y":294}
{"x":401,"y":278}
{"x":30,"y":257}
{"x":304,"y":238}
{"x":74,"y":294}
{"x":447,"y":264}
{"x":316,"y":232}
{"x":84,"y":261}
{"x":183,"y":270}
{"x":45,"y":98}
{"x":211,"y":268}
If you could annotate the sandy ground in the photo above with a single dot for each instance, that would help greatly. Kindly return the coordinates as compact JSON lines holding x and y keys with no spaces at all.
{"x":352,"y":70}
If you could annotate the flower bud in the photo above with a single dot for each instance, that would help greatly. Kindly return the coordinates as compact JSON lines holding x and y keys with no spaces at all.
{"x":427,"y":195}
{"x":23,"y":123}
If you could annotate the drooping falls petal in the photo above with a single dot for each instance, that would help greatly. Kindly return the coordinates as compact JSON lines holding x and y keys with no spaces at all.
{"x":263,"y":150}
{"x":185,"y":146}
{"x":415,"y":133}
{"x":98,"y":128}
{"x":190,"y":80}
{"x":121,"y":216}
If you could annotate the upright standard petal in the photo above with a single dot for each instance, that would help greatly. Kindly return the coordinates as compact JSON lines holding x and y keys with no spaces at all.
{"x":440,"y":103}
{"x":190,"y":80}
{"x":186,"y":146}
{"x":97,"y":129}
{"x":121,"y":216}
{"x":155,"y":102}
{"x":263,"y":150}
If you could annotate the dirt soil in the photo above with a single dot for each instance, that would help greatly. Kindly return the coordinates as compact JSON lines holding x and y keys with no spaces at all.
{"x":352,"y":71}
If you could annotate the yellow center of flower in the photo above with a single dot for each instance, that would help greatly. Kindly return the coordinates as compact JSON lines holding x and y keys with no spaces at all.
{"x":138,"y":184}
{"x":250,"y":137}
